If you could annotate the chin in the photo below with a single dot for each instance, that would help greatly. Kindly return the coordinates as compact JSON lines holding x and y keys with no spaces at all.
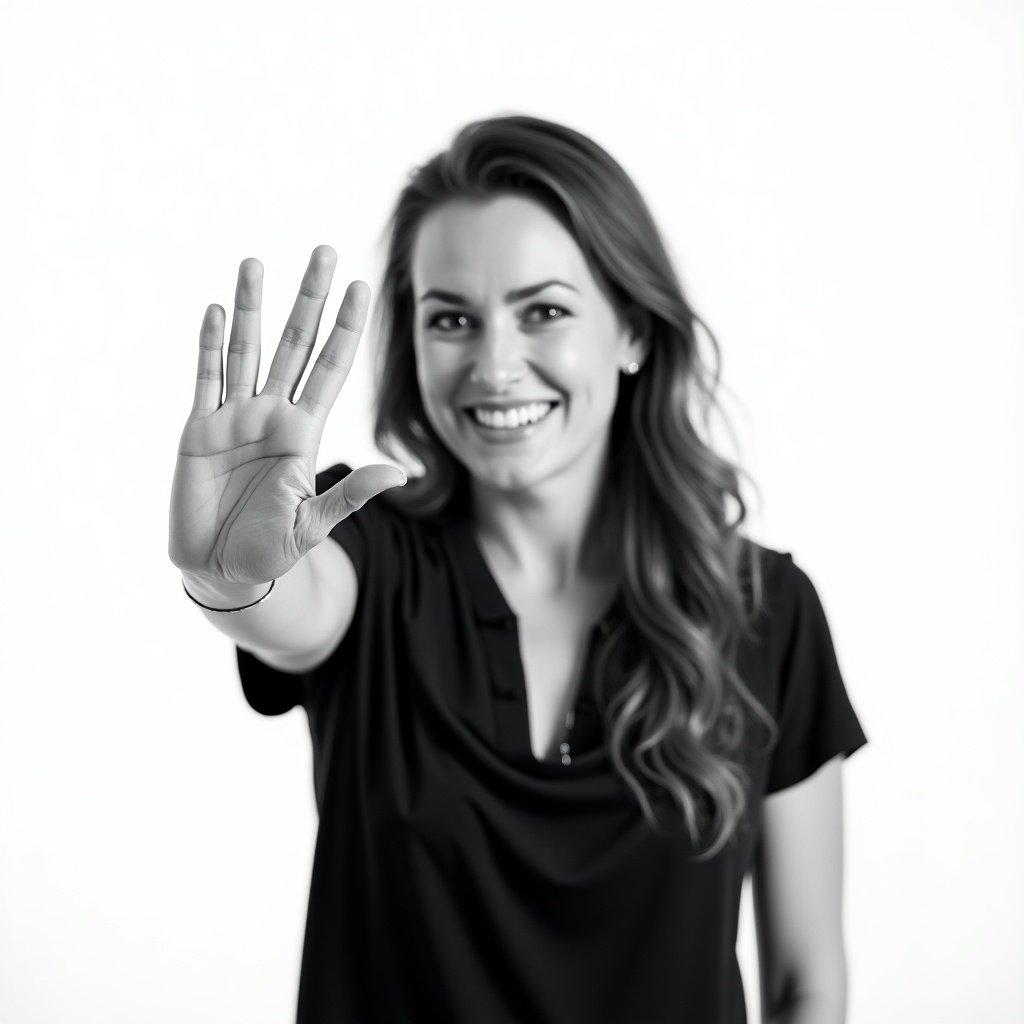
{"x":507,"y":474}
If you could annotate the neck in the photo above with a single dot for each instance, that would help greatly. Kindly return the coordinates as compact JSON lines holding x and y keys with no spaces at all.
{"x":556,"y":533}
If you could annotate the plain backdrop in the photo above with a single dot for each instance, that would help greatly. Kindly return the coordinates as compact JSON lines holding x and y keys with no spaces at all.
{"x":840,"y":187}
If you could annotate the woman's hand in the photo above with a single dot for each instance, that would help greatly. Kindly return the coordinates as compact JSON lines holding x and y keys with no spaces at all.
{"x":244,"y":507}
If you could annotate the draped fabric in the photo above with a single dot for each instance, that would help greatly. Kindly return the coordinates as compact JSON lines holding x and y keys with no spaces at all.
{"x":458,"y":879}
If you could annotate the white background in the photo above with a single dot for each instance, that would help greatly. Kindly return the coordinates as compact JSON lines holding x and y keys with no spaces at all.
{"x":840,"y":185}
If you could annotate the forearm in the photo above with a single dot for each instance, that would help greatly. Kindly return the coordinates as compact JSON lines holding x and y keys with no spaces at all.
{"x":290,"y":621}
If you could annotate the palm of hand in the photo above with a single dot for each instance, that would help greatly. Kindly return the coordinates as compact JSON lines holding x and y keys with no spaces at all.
{"x":247,"y":468}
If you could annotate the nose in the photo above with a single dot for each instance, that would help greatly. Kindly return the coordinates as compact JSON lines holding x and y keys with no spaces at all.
{"x":498,"y":361}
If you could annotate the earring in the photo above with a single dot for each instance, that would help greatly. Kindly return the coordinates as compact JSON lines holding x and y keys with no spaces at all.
{"x":633,"y":367}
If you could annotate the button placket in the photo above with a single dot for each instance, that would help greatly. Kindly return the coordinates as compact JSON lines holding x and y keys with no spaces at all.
{"x":503,"y":661}
{"x":500,"y":633}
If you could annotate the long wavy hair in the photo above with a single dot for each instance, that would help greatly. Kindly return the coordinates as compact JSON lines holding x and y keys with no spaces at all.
{"x":691,"y":585}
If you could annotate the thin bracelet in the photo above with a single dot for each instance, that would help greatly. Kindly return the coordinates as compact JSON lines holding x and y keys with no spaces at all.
{"x":242,"y":609}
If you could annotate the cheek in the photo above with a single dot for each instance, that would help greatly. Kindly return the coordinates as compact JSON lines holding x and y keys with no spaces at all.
{"x":437,"y":377}
{"x":588,"y":381}
{"x":583,"y":365}
{"x":595,"y":400}
{"x":571,"y":362}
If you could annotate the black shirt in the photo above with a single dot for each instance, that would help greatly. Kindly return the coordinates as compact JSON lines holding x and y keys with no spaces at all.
{"x":456,"y":878}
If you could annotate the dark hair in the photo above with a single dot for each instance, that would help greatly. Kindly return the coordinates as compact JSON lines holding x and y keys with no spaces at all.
{"x":691,"y":583}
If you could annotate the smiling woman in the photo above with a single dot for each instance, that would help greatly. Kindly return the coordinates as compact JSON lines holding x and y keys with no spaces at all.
{"x":502,"y":358}
{"x":553,"y":682}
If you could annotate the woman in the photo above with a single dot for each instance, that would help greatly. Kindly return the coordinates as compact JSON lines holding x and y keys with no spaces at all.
{"x":558,"y":702}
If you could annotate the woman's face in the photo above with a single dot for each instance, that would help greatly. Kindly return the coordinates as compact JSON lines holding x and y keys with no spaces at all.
{"x":494,"y":332}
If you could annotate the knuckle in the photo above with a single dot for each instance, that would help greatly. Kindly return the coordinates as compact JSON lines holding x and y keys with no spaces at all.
{"x":348,"y":323}
{"x":350,"y":505}
{"x":296,"y":337}
{"x":317,"y":407}
{"x":331,"y":361}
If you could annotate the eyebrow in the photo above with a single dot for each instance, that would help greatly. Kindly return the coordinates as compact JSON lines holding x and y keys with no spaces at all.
{"x":513,"y":296}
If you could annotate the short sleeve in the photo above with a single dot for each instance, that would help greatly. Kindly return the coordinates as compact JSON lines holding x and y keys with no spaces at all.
{"x":815,"y":716}
{"x":272,"y":691}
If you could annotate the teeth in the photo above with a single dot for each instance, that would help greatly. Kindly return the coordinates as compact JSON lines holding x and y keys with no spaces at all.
{"x":513,"y":417}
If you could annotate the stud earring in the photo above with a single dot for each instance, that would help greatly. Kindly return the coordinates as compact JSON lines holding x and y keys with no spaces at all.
{"x":633,"y":367}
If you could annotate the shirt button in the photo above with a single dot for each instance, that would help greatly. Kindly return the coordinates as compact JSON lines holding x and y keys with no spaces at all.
{"x":564,"y":748}
{"x":566,"y":759}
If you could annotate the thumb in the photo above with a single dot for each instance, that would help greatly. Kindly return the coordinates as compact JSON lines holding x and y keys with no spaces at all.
{"x":350,"y":494}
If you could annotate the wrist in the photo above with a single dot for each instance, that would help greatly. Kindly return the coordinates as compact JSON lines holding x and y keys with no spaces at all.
{"x":222,"y":594}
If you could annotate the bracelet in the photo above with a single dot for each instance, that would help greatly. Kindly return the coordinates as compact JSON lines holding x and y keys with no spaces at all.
{"x":242,"y":609}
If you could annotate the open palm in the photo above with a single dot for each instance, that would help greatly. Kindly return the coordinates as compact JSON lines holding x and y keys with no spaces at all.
{"x":244,"y":507}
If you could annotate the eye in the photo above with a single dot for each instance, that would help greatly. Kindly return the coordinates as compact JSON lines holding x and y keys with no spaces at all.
{"x":547,"y":308}
{"x":434,"y":322}
{"x":461,"y":320}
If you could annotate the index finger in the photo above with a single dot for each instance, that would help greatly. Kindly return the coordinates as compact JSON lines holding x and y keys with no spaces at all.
{"x":299,"y":335}
{"x":331,"y":368}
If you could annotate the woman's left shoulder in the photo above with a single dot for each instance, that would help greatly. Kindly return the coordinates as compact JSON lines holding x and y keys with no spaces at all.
{"x":771,"y":567}
{"x":787,"y":595}
{"x":785,"y":580}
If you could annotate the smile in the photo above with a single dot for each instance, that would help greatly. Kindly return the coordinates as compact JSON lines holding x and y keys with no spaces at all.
{"x":509,"y":424}
{"x":507,"y":418}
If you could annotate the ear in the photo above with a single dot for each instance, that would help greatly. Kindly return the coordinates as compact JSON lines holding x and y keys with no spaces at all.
{"x":638,"y":335}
